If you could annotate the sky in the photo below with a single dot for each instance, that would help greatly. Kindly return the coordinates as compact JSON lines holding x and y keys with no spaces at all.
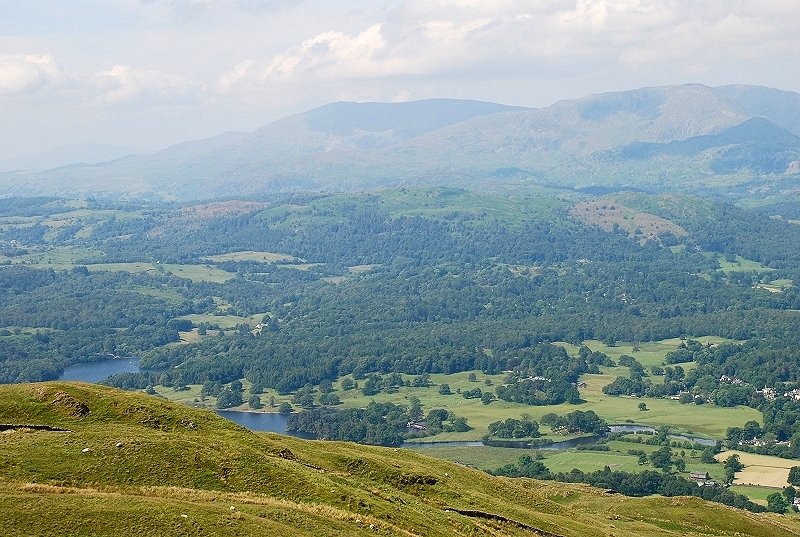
{"x":146,"y":74}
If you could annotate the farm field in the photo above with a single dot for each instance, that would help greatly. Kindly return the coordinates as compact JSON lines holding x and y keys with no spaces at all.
{"x":617,"y":458}
{"x":757,"y":494}
{"x":740,"y":264}
{"x":225,"y":322}
{"x":650,"y":353}
{"x":56,"y":257}
{"x":761,"y":470}
{"x":776,"y":286}
{"x":196,"y":273}
{"x":261,"y":257}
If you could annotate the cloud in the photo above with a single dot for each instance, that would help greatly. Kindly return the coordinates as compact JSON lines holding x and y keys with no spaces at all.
{"x":516,"y":39}
{"x":28,"y":73}
{"x":123,"y":83}
{"x":328,"y":55}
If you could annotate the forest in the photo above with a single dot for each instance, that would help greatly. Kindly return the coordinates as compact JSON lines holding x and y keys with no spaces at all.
{"x":291,"y":292}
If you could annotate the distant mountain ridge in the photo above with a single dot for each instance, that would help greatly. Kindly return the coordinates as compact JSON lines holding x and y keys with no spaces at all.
{"x":662,"y":138}
{"x":67,"y":155}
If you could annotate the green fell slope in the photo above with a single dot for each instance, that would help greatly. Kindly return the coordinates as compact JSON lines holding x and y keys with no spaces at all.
{"x":127,"y":464}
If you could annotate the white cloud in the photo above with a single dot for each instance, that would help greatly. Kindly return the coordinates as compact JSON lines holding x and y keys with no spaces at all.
{"x":235,"y":64}
{"x":123,"y":83}
{"x":331,"y":53}
{"x":28,"y":73}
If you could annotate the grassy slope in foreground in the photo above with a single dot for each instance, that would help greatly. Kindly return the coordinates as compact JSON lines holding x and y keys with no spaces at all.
{"x":132,"y":465}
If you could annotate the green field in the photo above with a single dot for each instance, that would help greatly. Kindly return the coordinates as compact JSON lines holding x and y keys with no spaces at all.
{"x":226,"y":322}
{"x":704,"y":420}
{"x":56,"y":257}
{"x":776,"y":286}
{"x":740,"y":264}
{"x":481,"y":206}
{"x":650,"y":353}
{"x":757,"y":494}
{"x":265,"y":257}
{"x":67,"y":257}
{"x":161,"y":292}
{"x":196,"y":273}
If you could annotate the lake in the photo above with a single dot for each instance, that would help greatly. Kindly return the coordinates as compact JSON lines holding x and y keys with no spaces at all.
{"x":102,"y":369}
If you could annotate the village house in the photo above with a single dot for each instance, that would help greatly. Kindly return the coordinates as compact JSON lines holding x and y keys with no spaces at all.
{"x":417,"y":425}
{"x":702,"y":479}
{"x":794,"y":394}
{"x":768,"y":393}
{"x":732,"y":380}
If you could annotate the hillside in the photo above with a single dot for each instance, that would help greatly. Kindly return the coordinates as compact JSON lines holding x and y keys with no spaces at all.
{"x":740,"y":140}
{"x":126,"y":464}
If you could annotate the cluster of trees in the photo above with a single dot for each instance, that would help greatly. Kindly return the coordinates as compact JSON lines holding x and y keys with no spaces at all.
{"x":576,"y":422}
{"x":384,"y":424}
{"x":375,"y":382}
{"x":515,"y":428}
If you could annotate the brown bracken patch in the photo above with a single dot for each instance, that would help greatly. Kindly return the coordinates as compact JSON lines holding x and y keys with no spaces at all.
{"x":612,"y":216}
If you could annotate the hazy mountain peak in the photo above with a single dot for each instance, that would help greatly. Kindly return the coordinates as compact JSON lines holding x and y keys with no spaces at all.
{"x":780,"y":107}
{"x":665,"y":136}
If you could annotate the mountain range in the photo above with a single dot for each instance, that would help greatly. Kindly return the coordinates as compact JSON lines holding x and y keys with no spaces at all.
{"x":742,"y":140}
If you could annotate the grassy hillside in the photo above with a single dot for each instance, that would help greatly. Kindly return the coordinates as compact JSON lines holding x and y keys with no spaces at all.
{"x":127,"y":464}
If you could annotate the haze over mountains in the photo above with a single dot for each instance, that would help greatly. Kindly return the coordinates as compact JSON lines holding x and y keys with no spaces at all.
{"x":730,"y":139}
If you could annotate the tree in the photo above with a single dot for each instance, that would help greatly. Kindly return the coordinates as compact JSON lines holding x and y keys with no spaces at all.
{"x":285,"y":408}
{"x":732,"y":465}
{"x":415,"y":408}
{"x":776,"y":503}
{"x":460,"y":425}
{"x":642,"y":407}
{"x":680,"y":465}
{"x":662,"y":458}
{"x":472,"y":377}
{"x":255,"y":402}
{"x":372,"y":385}
{"x":347,"y":383}
{"x":794,"y":476}
{"x":444,"y":389}
{"x":325,"y":386}
{"x":708,"y":456}
{"x":422,"y":381}
{"x":487,"y":397}
{"x":329,"y":399}
{"x":228,"y":398}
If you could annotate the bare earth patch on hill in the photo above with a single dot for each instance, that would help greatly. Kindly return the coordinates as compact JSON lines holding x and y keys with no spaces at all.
{"x":610,"y":216}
